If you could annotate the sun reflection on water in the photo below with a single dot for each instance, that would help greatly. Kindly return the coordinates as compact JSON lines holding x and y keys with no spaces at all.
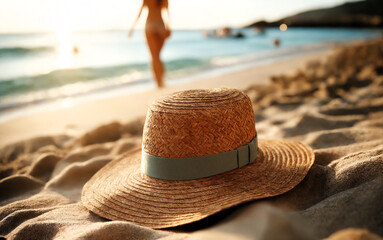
{"x":63,"y":26}
{"x":64,"y":48}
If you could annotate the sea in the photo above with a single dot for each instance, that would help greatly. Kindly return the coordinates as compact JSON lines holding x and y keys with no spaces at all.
{"x":37,"y":68}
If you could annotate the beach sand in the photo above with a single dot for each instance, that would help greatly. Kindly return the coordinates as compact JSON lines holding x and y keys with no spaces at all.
{"x":332,"y":101}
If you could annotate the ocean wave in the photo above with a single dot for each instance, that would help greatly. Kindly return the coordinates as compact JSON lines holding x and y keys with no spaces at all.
{"x":58,"y":78}
{"x":20,"y":51}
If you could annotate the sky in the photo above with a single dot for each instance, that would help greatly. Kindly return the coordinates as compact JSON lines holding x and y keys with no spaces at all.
{"x":74,"y":15}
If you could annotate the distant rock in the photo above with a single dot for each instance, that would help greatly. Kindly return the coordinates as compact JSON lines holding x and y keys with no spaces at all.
{"x":368,"y":13}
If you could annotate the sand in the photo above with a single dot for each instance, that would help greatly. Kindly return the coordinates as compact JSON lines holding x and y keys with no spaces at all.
{"x":334,"y":104}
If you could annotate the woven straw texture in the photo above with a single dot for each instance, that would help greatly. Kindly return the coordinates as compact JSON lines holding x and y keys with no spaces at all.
{"x":187,"y":124}
{"x":198,"y":122}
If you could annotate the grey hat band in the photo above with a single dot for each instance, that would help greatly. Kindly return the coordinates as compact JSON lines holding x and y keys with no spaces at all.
{"x":198,"y":167}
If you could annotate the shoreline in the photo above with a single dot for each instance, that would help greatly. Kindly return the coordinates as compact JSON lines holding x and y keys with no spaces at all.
{"x":116,"y":86}
{"x":66,"y":117}
{"x":110,"y":77}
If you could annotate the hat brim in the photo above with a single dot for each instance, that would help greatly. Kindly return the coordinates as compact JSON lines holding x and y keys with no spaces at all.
{"x":119,"y":191}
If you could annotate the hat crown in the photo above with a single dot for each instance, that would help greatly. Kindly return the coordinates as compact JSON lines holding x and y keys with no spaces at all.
{"x":198,"y":122}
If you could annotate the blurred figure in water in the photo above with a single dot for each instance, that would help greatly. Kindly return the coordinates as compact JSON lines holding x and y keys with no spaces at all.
{"x":156,"y":32}
{"x":276,"y":42}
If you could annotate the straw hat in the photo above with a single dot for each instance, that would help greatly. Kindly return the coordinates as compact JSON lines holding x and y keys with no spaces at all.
{"x":200,"y":155}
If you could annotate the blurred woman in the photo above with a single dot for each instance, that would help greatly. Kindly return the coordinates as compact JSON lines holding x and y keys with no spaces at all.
{"x":156,"y":32}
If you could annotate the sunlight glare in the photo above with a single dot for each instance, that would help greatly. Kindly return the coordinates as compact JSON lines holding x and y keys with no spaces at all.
{"x":64,"y":48}
{"x":63,"y":28}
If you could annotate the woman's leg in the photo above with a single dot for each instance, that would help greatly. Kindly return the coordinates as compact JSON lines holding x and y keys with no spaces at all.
{"x":155,"y":43}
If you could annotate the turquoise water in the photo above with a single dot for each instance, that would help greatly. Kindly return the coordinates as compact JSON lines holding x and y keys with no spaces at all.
{"x":39,"y":67}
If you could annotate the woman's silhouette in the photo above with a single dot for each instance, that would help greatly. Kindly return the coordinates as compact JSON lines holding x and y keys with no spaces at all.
{"x":156,"y":32}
